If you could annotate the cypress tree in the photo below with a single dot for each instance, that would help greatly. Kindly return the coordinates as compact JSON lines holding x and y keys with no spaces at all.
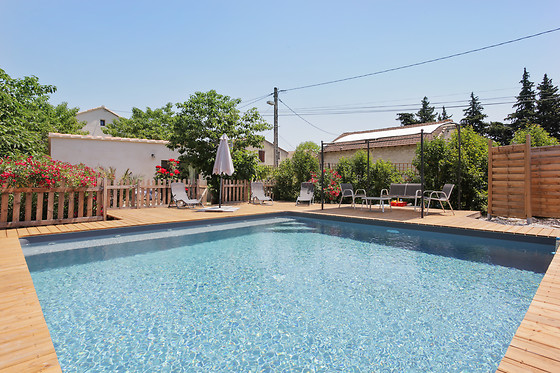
{"x":426,"y":113}
{"x":474,"y":116}
{"x":444,"y":115}
{"x":548,"y":107}
{"x":406,"y":119}
{"x":525,"y":105}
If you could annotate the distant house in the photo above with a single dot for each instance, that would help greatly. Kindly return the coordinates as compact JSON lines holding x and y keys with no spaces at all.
{"x":96,"y":119}
{"x":266,"y":153}
{"x":138,"y":156}
{"x":394,"y":144}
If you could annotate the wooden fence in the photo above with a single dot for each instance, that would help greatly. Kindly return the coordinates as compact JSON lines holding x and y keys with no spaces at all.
{"x":524,"y":182}
{"x":24,"y":207}
{"x":21,"y":207}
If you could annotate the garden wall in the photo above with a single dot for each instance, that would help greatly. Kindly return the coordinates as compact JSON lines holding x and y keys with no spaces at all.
{"x":524,"y":182}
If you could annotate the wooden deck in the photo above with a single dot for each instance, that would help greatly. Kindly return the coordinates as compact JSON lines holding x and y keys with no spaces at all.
{"x":25,"y":344}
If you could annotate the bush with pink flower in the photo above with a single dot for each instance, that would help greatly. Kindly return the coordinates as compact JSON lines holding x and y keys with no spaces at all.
{"x":331,"y":183}
{"x":170,"y":173}
{"x":44,"y":172}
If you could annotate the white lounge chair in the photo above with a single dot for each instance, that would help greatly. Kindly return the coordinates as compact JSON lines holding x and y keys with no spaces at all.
{"x":348,"y":191}
{"x":441,"y":196}
{"x":181,"y":199}
{"x":306,"y":193}
{"x":257,"y":193}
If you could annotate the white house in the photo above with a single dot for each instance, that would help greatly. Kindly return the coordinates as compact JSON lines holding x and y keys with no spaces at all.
{"x":96,"y":119}
{"x":138,"y":156}
{"x":266,"y":153}
{"x":394,"y":144}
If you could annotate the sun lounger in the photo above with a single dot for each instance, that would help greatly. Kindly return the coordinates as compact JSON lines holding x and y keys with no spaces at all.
{"x":306,"y":193}
{"x":180,"y":198}
{"x":257,"y":193}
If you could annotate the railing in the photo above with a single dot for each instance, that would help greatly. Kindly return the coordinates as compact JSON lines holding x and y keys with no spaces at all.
{"x":21,"y":207}
{"x":24,"y":207}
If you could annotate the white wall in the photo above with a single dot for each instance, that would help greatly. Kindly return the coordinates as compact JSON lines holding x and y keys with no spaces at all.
{"x":120,"y":153}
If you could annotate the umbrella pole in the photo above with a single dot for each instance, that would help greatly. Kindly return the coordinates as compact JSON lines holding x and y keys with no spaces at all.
{"x":220,"y":198}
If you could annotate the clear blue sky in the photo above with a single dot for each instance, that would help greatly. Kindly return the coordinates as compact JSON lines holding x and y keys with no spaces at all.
{"x":143,"y":53}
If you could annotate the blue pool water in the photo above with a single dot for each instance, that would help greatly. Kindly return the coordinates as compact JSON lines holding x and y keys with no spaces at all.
{"x":286,"y":295}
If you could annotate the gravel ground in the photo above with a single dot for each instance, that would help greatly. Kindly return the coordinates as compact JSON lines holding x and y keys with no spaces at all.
{"x":537,"y":222}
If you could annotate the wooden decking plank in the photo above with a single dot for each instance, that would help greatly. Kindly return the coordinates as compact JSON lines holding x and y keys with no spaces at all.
{"x":533,"y":360}
{"x":508,"y":365}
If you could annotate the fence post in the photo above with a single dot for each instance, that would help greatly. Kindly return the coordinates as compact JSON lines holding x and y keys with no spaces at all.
{"x":105,"y":204}
{"x":490,"y":156}
{"x":528,"y":209}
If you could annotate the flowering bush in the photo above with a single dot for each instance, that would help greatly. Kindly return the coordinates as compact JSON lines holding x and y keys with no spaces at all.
{"x":44,"y":172}
{"x":168,"y":174}
{"x":331,"y":182}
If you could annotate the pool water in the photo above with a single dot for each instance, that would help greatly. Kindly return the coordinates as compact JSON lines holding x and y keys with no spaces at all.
{"x":288,"y":295}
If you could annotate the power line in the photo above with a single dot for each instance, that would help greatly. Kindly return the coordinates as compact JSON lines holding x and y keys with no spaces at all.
{"x":306,"y":121}
{"x":423,"y":62}
{"x":252,"y":101}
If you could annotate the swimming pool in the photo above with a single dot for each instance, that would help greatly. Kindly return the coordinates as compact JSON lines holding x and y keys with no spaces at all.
{"x":285,"y":293}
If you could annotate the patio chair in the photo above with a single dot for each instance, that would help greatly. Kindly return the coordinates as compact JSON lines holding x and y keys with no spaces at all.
{"x":441,"y":196}
{"x":180,"y":198}
{"x":347,"y":190}
{"x":306,"y":193}
{"x":257,"y":193}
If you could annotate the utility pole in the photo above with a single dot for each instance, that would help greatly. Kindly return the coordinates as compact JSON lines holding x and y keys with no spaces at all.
{"x":276,"y":151}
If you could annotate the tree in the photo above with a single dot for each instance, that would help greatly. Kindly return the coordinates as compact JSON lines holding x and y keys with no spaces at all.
{"x":443,"y":115}
{"x":26,"y":116}
{"x":305,"y":161}
{"x":406,"y":119}
{"x":203,"y":119}
{"x":525,"y":105}
{"x":539,"y":136}
{"x":154,"y":124}
{"x":474,"y":116}
{"x":426,"y":113}
{"x":548,"y":107}
{"x":500,"y":132}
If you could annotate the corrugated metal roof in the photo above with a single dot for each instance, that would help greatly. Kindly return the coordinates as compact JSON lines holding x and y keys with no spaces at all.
{"x":390,"y":132}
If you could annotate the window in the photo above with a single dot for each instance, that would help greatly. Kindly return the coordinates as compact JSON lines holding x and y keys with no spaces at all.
{"x":261,"y":155}
{"x":102,"y":122}
{"x":165,"y":164}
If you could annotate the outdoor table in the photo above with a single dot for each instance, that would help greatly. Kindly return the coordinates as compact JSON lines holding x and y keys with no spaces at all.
{"x":369,"y":201}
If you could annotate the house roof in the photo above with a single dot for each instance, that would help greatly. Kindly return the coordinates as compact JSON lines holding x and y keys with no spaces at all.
{"x":387,"y":137}
{"x":99,"y":108}
{"x":103,"y":138}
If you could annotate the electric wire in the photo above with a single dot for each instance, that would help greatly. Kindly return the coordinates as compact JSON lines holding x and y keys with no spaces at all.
{"x":306,"y":121}
{"x":424,"y":62}
{"x":254,"y":100}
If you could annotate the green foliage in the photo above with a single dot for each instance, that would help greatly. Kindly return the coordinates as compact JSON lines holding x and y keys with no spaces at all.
{"x":285,"y":186}
{"x":525,"y":105}
{"x":407,"y":119}
{"x":437,"y":168}
{"x":426,"y":114}
{"x":501,"y":133}
{"x":474,"y":116}
{"x":203,"y":119}
{"x":443,"y":115}
{"x":441,"y":166}
{"x":539,"y":137}
{"x":154,"y":124}
{"x":305,"y":161}
{"x":354,"y":170}
{"x":26,"y":116}
{"x":246,"y":164}
{"x":383,"y":173}
{"x":548,"y":107}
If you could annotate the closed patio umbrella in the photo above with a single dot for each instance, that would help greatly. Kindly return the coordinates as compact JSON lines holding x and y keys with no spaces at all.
{"x":223,"y":164}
